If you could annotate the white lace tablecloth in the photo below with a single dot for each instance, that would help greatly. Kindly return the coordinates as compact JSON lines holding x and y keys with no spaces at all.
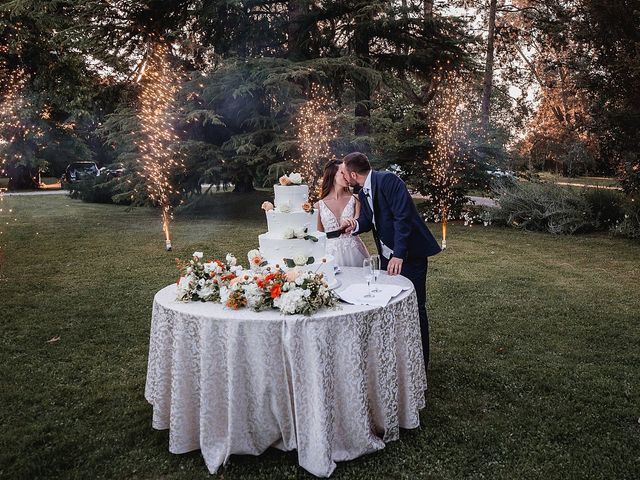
{"x":334,"y":386}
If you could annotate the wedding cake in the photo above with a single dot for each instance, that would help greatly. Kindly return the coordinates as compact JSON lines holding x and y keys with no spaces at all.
{"x":292,"y":239}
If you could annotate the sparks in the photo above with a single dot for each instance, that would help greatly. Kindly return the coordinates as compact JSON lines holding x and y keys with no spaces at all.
{"x":447,"y":159}
{"x":157,"y":157}
{"x":315,"y":134}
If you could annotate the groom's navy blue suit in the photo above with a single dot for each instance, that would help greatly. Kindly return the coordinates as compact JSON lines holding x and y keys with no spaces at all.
{"x":399,"y":226}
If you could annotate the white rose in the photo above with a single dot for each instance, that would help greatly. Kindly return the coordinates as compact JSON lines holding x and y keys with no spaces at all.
{"x":295,"y":178}
{"x":289,"y":233}
{"x":198,"y":254}
{"x":205,"y":292}
{"x":231,"y":260}
{"x":284,"y":208}
{"x":300,"y":260}
{"x":184,"y":283}
{"x":300,"y":232}
{"x":224,"y":294}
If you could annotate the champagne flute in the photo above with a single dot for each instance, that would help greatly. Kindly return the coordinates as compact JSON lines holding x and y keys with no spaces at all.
{"x":375,"y":266}
{"x":368,"y":275}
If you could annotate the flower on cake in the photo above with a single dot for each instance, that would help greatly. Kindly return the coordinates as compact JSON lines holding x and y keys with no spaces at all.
{"x":300,"y":260}
{"x":284,"y":180}
{"x":267,"y":206}
{"x":295,"y":178}
{"x":284,"y":208}
{"x":307,"y":207}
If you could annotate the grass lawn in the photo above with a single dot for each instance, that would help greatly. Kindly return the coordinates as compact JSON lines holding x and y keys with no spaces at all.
{"x":535,"y":349}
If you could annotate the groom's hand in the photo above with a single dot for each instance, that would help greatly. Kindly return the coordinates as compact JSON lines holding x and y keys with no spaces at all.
{"x":395,"y":266}
{"x":348,"y":224}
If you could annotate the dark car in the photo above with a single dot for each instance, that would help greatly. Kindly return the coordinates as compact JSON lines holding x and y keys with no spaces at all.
{"x":112,"y":171}
{"x":77,"y":171}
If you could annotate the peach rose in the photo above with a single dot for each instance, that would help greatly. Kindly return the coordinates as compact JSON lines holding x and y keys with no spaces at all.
{"x":266,"y":206}
{"x":307,"y":207}
{"x":284,"y":180}
{"x":291,"y":275}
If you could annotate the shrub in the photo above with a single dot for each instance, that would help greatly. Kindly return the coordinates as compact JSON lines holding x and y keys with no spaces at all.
{"x":541,"y":207}
{"x":607,"y":207}
{"x":629,"y":227}
{"x":99,"y":190}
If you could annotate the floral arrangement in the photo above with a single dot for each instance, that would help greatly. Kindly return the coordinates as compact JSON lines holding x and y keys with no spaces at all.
{"x":200,"y":280}
{"x":291,"y":179}
{"x":261,"y":288}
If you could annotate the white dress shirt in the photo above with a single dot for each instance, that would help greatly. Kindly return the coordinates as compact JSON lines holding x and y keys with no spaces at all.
{"x":368,"y":192}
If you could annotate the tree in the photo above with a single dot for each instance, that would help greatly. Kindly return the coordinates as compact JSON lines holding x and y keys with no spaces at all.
{"x":488,"y":71}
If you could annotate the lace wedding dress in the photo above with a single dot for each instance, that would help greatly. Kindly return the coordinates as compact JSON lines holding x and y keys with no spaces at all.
{"x":348,"y":250}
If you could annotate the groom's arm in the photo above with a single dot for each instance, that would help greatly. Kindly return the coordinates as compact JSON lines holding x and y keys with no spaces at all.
{"x":401,"y":206}
{"x":363,"y":224}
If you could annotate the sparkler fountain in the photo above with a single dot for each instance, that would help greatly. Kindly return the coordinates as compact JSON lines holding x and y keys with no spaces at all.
{"x":157,"y":157}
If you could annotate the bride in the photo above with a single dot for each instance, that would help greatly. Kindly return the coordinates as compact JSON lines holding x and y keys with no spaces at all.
{"x":336,"y":204}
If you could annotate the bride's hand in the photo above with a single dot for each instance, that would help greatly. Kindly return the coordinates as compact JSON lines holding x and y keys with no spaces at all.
{"x":348,"y":224}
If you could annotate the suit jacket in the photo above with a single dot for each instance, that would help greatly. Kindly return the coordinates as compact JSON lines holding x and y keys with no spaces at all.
{"x":398,"y":223}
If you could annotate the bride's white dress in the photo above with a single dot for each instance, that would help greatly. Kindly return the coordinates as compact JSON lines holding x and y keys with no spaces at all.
{"x":348,"y":250}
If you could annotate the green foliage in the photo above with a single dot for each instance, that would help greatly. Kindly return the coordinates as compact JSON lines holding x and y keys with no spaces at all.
{"x":629,"y":227}
{"x":99,"y":190}
{"x":607,"y":207}
{"x":544,"y":207}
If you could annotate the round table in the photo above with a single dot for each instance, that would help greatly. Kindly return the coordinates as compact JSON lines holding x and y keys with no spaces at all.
{"x":334,"y":386}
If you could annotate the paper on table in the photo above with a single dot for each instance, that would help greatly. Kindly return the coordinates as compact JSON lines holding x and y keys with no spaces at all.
{"x":355,"y":294}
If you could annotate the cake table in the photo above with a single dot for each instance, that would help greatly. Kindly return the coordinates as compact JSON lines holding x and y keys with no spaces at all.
{"x":334,"y":386}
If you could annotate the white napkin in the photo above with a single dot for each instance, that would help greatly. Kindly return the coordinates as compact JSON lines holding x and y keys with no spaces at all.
{"x":355,"y":294}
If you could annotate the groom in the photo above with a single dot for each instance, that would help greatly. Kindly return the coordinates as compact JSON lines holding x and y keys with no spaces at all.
{"x":404,"y":242}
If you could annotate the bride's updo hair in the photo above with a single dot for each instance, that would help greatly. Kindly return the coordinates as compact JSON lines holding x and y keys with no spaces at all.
{"x":328,"y":176}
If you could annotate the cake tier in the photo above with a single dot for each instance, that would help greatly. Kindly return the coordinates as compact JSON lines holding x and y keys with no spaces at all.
{"x":274,"y":248}
{"x":278,"y":222}
{"x":292,"y":196}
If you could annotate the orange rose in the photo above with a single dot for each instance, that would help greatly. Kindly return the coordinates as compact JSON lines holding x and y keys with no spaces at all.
{"x":275,"y":291}
{"x":257,"y":260}
{"x":307,"y":207}
{"x":284,"y":180}
{"x":267,"y":206}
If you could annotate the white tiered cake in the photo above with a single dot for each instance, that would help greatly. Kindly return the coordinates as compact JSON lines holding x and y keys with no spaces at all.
{"x":292,"y":233}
